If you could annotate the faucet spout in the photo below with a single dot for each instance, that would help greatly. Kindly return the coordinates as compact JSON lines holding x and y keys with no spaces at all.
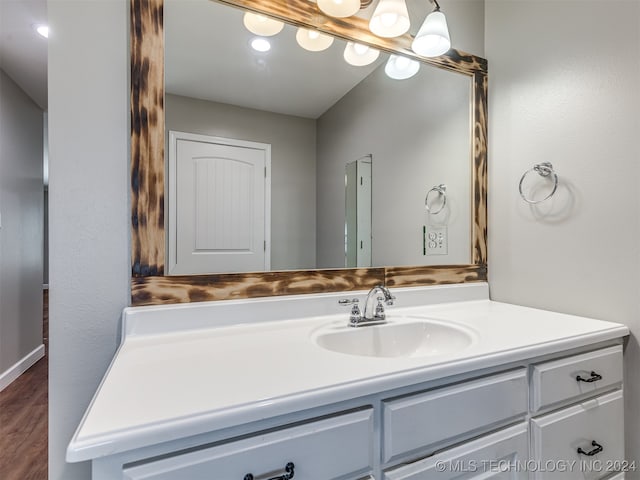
{"x":377,"y":294}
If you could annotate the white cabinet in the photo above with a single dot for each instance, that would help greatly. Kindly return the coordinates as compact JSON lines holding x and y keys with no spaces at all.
{"x":516,"y":424}
{"x":576,"y":376}
{"x":497,"y":456}
{"x":422,"y":421}
{"x":594,"y":427}
{"x":584,"y":441}
{"x":337,"y":447}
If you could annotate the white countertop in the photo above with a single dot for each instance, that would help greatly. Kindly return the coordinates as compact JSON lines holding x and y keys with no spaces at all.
{"x":189,"y":369}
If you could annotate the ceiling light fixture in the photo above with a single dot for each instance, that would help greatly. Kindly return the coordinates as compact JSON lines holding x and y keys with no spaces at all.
{"x":433,"y":37}
{"x":401,"y":68}
{"x":261,"y":25}
{"x":43,"y":30}
{"x":339,"y":8}
{"x":360,"y":55}
{"x":390,"y":19}
{"x":313,"y":40}
{"x":260,"y":44}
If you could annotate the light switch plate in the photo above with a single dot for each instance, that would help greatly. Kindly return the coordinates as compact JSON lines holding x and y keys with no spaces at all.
{"x":436,"y":240}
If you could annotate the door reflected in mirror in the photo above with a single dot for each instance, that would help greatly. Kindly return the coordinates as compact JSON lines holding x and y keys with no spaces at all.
{"x":318,"y":115}
{"x":357,"y":212}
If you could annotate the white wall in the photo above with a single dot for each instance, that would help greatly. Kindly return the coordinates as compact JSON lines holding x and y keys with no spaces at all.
{"x":21,"y":230}
{"x":89,"y":213}
{"x":564,"y":79}
{"x":293,"y":167}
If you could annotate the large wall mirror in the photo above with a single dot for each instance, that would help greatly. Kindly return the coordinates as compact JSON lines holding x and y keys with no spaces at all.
{"x":294,"y":171}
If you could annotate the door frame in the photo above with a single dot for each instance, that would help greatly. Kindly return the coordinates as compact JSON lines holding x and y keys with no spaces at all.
{"x":172,"y":188}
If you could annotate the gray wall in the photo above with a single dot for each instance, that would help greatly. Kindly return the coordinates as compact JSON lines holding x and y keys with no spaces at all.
{"x":21,"y":207}
{"x":293,"y":167}
{"x":564,"y":88}
{"x":401,"y":123}
{"x":568,"y":96}
{"x":411,"y":128}
{"x":89,"y":212}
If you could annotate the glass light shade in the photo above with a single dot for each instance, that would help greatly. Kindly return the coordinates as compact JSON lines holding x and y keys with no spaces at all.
{"x":433,"y":38}
{"x":390,"y":19}
{"x":313,"y":40}
{"x":401,"y":68}
{"x":261,"y":25}
{"x":339,"y":8}
{"x":360,"y":55}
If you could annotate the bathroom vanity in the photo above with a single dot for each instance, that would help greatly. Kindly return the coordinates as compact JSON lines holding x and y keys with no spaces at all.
{"x":452,"y":386}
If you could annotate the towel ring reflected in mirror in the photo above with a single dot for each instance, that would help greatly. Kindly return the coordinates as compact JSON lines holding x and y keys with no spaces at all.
{"x":441,"y":190}
{"x":545,"y":170}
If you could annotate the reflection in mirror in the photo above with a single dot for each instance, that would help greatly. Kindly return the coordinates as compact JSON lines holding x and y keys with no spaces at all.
{"x":357,"y":225}
{"x":315,"y":113}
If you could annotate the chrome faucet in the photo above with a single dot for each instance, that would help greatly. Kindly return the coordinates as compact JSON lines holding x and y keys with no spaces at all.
{"x":378,"y":314}
{"x":357,"y":319}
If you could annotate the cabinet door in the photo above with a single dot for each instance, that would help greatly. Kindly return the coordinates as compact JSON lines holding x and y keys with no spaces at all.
{"x":332,"y":448}
{"x":499,"y":456}
{"x":595,"y":426}
{"x":424,"y":422}
{"x":556,"y":381}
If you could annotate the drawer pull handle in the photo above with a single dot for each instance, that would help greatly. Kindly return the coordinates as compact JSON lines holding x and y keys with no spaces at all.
{"x":594,"y":378}
{"x":598,"y":448}
{"x":288,"y":469}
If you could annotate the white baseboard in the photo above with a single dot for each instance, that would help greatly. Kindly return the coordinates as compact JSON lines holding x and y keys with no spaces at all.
{"x":19,"y":368}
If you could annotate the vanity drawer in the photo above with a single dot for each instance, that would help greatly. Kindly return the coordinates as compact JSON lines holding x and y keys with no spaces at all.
{"x":556,"y":381}
{"x":557,"y":436}
{"x":334,"y":447}
{"x":494,"y":456}
{"x":435,"y":417}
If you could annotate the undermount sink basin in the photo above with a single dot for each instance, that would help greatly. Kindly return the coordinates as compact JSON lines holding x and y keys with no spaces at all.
{"x":406,"y":337}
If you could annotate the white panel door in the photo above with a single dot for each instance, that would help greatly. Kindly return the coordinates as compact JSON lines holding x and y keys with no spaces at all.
{"x":358,"y":213}
{"x":364,"y":211}
{"x":219,"y":202}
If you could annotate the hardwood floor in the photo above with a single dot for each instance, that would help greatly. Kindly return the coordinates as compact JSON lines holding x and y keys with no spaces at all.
{"x":24,"y":419}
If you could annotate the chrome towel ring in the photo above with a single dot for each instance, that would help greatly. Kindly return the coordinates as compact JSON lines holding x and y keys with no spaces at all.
{"x":441,"y":190}
{"x":543,"y":169}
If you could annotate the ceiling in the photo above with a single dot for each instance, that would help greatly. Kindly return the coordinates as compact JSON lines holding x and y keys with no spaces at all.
{"x":23,"y":53}
{"x":208,"y":56}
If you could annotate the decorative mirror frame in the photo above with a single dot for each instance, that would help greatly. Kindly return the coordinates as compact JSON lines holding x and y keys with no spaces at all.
{"x":149,"y":285}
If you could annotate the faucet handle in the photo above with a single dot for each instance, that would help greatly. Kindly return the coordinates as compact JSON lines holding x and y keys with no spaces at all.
{"x":379,"y":314}
{"x":356,"y":316}
{"x":348,"y":301}
{"x":387,"y":299}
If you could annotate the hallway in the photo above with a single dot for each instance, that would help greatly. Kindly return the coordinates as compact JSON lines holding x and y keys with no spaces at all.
{"x":24,"y":419}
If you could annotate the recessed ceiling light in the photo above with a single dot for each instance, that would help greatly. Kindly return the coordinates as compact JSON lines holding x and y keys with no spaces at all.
{"x":43,"y":30}
{"x":260,"y":44}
